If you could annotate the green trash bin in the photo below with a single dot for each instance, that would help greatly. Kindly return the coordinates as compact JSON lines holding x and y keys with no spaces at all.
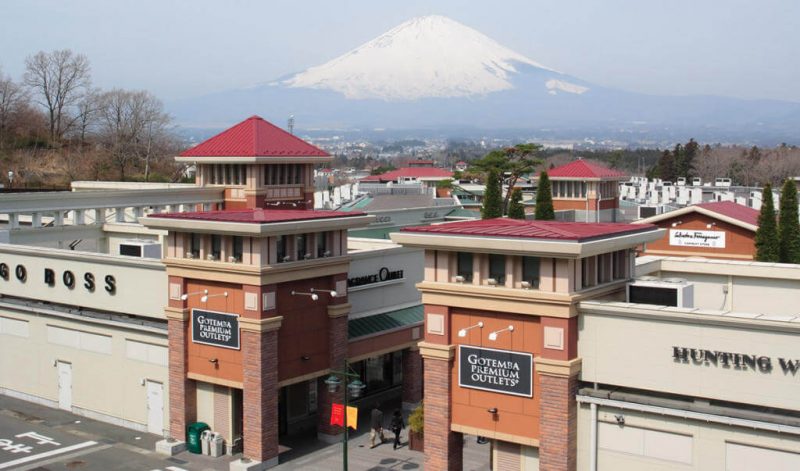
{"x":193,"y":432}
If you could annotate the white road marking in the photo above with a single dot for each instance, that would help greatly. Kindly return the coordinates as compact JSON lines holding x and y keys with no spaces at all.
{"x":175,"y":468}
{"x":59,"y":451}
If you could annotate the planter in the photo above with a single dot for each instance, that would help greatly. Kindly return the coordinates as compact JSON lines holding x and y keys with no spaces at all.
{"x":415,"y":441}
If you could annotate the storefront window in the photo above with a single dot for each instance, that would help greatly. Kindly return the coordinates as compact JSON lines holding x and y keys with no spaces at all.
{"x":322,"y":244}
{"x":300,"y":239}
{"x":195,"y":245}
{"x":238,"y":248}
{"x":280,"y":245}
{"x":216,"y":246}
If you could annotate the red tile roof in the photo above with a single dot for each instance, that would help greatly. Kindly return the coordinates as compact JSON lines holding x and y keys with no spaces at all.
{"x":258,"y":216}
{"x":415,"y":172}
{"x":516,"y":228}
{"x":732,"y":210}
{"x":584,"y":169}
{"x":254,"y":137}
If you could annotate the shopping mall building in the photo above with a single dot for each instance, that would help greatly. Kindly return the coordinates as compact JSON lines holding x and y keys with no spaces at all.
{"x":154,"y":308}
{"x":230,"y":301}
{"x":553,"y":341}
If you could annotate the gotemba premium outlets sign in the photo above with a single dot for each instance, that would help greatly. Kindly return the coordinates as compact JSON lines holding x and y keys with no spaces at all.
{"x":690,"y":238}
{"x":499,"y":371}
{"x":215,"y":328}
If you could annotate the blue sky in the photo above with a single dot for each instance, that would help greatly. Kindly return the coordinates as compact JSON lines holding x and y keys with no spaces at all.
{"x":740,"y":48}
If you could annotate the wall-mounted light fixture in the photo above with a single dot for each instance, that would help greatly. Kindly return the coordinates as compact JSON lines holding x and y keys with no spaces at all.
{"x":620,"y":419}
{"x":493,"y":410}
{"x":185,"y":296}
{"x":463,"y":332}
{"x":493,"y":335}
{"x":313,"y":296}
{"x":710,"y":225}
{"x":206,"y":296}
{"x":676,"y":224}
{"x":332,"y":292}
{"x":215,"y":361}
{"x":305,"y":357}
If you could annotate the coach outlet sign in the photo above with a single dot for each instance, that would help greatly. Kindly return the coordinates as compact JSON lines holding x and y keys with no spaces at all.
{"x":500,"y":371}
{"x":690,"y":238}
{"x":215,"y":328}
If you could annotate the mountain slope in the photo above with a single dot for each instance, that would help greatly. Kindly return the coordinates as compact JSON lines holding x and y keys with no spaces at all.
{"x":426,"y":57}
{"x":434,"y":73}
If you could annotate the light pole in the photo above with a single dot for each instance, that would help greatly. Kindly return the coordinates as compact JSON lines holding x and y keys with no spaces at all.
{"x":354,"y":389}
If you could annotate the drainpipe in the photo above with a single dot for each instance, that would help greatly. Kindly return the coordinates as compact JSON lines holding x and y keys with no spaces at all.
{"x":593,"y":438}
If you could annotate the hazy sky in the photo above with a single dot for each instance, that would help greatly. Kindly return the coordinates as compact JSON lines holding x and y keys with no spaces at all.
{"x":741,"y":48}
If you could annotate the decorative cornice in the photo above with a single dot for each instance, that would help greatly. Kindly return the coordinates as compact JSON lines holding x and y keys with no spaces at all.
{"x":561,"y":368}
{"x":435,"y":351}
{"x":260,"y":325}
{"x":176,"y":313}
{"x":339,"y":310}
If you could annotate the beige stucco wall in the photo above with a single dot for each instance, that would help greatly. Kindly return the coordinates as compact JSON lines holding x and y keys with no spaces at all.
{"x":141,"y":285}
{"x":102,"y":383}
{"x":638,"y":353}
{"x":706,"y":442}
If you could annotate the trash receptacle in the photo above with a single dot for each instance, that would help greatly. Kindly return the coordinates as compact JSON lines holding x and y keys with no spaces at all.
{"x":193,"y":432}
{"x":205,"y":441}
{"x":216,"y":444}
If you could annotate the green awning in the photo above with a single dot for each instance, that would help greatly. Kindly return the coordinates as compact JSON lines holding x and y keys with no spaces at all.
{"x":388,"y":321}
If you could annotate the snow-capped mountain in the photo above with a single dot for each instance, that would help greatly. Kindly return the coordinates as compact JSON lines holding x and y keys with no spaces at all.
{"x":433,"y":72}
{"x":431,"y":56}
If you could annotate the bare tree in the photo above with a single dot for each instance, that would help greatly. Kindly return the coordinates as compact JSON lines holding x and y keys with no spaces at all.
{"x":134,"y":129}
{"x":12,"y":99}
{"x":59,"y":79}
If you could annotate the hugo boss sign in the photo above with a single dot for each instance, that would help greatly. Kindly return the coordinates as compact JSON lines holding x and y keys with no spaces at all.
{"x":215,"y":328}
{"x":67,"y":278}
{"x":499,"y":371}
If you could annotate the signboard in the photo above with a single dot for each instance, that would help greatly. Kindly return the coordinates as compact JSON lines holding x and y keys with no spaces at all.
{"x":691,"y":238}
{"x":384,"y":274}
{"x":500,"y":371}
{"x":215,"y":328}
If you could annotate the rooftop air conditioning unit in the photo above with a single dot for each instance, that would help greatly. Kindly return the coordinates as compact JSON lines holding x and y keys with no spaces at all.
{"x":140,"y":249}
{"x":674,"y":292}
{"x":647,"y":211}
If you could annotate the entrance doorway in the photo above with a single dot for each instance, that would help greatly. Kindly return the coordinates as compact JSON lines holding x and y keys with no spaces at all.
{"x":237,"y":421}
{"x":155,"y":407}
{"x":64,"y":385}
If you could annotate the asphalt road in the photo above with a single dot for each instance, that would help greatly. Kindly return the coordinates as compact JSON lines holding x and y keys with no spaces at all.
{"x":37,"y":438}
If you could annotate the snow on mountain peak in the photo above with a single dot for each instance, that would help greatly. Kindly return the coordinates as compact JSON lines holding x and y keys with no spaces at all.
{"x":430,"y":56}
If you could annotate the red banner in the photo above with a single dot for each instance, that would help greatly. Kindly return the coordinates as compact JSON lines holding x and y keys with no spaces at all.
{"x":337,"y":414}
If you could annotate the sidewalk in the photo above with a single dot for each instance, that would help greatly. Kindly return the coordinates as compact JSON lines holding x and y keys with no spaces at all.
{"x":125,"y":449}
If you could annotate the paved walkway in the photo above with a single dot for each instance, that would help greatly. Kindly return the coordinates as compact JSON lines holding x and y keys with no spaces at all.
{"x":88,"y":445}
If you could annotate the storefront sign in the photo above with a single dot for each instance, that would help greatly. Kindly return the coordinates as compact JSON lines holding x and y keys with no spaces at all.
{"x":737,"y":361}
{"x":384,"y":274}
{"x":215,"y":328}
{"x":69,"y":279}
{"x":499,"y":371}
{"x":690,"y":238}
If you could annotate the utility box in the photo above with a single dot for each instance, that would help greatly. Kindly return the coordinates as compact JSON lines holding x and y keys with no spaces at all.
{"x":193,"y":432}
{"x":216,"y":444}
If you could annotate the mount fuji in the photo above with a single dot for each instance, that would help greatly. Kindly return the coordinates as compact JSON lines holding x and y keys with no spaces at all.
{"x":433,"y":73}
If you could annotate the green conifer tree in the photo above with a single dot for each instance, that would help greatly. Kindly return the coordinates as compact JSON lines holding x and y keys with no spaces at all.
{"x":544,"y":199}
{"x":767,"y":244}
{"x":492,"y":198}
{"x":788,"y":225}
{"x":515,"y":208}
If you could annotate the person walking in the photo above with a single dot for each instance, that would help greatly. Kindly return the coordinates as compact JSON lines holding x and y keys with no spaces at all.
{"x":376,"y":426}
{"x":397,"y":426}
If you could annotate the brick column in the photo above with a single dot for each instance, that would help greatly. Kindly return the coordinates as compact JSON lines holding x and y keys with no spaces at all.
{"x":558,"y":384}
{"x":412,"y":378}
{"x":260,"y":394}
{"x":337,"y":353}
{"x":182,"y":390}
{"x":443,"y":447}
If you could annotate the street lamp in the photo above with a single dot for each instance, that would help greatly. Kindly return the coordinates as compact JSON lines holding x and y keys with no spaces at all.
{"x":354,"y":389}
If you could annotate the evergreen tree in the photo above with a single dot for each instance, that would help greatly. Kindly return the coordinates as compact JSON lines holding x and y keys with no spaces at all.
{"x":492,"y":198}
{"x":788,"y":225}
{"x":767,"y":245}
{"x":544,"y":199}
{"x":665,"y":167}
{"x":515,"y":208}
